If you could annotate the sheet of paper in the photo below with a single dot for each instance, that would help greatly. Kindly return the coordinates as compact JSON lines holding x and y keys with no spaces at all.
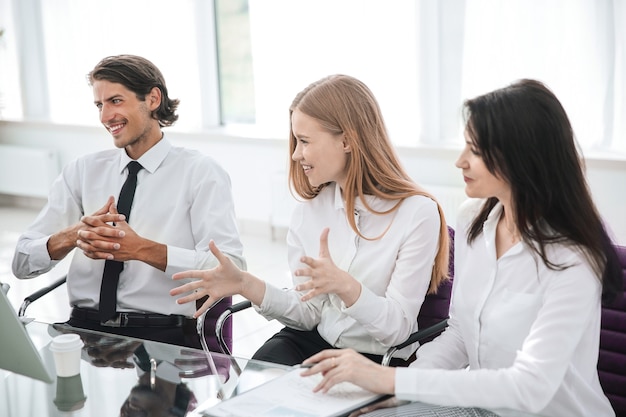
{"x":292,"y":395}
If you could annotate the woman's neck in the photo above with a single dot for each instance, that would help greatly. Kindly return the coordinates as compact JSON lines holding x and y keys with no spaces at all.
{"x":507,"y":233}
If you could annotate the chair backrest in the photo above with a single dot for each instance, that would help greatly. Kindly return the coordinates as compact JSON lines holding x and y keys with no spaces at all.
{"x":435,"y":307}
{"x":612,"y":358}
{"x":210,"y":321}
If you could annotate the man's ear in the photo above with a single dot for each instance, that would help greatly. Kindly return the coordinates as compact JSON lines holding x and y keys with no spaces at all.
{"x":154,"y":98}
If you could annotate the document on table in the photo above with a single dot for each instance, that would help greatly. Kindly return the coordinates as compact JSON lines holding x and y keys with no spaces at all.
{"x":292,"y":395}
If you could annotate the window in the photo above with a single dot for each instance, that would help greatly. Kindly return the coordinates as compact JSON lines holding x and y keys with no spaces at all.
{"x":422,"y":59}
{"x":159,"y":30}
{"x":243,"y":61}
{"x":10,"y":97}
{"x":235,"y":61}
{"x":575,"y":47}
{"x":297,"y":42}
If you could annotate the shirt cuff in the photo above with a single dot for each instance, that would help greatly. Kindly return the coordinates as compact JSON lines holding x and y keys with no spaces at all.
{"x":363,"y":308}
{"x":406,"y":386}
{"x":39,"y":257}
{"x":179,"y":259}
{"x":272,"y":301}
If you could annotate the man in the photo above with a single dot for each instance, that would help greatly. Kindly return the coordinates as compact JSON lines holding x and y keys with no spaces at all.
{"x":182,"y":200}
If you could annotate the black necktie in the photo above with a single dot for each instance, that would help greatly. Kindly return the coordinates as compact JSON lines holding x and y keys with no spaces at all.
{"x":112,"y":269}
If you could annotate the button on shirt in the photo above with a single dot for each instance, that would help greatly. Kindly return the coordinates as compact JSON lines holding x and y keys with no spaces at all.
{"x":394,"y":271}
{"x":529,"y":334}
{"x":183,"y":200}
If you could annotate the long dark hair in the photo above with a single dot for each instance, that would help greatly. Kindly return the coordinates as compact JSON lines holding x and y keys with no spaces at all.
{"x":140,"y":76}
{"x":525,"y":138}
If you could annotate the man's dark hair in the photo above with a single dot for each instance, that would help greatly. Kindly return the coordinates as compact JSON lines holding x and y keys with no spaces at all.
{"x":139,"y":76}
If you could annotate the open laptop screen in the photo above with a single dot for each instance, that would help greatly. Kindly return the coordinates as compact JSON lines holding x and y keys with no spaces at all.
{"x":18,"y":352}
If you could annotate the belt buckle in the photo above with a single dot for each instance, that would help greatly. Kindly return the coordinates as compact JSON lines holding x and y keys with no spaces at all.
{"x":120,"y":320}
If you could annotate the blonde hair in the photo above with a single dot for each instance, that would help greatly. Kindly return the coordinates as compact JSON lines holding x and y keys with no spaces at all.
{"x":345,"y":105}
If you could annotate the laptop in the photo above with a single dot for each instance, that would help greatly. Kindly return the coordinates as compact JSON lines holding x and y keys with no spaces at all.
{"x":18,"y":353}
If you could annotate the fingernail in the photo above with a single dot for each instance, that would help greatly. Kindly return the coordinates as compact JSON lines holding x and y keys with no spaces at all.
{"x":122,"y":233}
{"x":110,"y":257}
{"x":116,"y":246}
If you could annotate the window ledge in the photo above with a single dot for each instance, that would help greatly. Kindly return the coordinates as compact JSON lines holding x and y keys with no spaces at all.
{"x":259,"y":135}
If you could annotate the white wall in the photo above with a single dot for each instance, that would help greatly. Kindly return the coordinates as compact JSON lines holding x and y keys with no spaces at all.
{"x":254,"y":162}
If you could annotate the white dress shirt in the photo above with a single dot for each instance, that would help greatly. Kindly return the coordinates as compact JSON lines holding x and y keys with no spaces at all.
{"x":183,"y":199}
{"x":394,"y":271}
{"x":529,"y":334}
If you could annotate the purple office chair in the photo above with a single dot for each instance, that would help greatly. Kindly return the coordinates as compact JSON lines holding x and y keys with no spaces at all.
{"x":210,"y":322}
{"x":612,"y":357}
{"x":433,"y":316}
{"x":210,"y":318}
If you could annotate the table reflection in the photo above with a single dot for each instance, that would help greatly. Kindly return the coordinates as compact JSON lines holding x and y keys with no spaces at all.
{"x":123,"y":376}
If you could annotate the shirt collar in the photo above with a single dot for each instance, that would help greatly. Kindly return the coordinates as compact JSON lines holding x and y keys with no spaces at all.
{"x":150,"y":160}
{"x":489,"y":230}
{"x":374,"y":202}
{"x":338,"y":197}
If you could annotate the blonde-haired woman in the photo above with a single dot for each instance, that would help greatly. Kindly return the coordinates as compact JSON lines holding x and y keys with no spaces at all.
{"x":365,"y":243}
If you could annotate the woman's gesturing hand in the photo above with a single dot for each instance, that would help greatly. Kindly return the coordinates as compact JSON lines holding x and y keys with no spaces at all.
{"x":224,"y":280}
{"x":326,"y":277}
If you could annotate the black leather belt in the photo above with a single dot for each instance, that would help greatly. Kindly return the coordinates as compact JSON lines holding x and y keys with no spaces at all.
{"x":131,"y":319}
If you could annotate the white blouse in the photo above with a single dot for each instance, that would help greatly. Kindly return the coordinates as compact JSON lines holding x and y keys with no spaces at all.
{"x":394,"y":271}
{"x":522,"y":339}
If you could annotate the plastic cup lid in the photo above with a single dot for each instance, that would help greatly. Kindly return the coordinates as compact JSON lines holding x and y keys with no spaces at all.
{"x":66,"y":342}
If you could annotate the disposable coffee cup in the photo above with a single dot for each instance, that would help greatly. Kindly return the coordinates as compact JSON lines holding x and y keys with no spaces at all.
{"x":66,"y":349}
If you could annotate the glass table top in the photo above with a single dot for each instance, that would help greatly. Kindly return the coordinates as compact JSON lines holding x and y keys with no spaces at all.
{"x":123,"y":376}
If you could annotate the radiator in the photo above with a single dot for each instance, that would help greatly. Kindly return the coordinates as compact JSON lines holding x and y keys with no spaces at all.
{"x":450,"y":198}
{"x":27,"y":171}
